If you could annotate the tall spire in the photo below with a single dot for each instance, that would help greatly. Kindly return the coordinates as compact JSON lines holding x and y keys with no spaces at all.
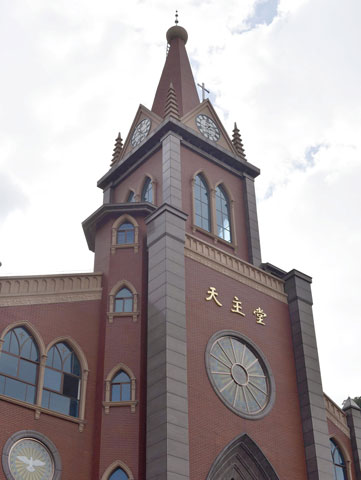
{"x":177,"y":70}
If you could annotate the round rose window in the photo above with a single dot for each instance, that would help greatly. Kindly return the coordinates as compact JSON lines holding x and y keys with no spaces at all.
{"x":239,"y":375}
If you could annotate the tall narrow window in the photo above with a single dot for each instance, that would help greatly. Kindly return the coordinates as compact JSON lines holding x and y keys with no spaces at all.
{"x":131,"y":197}
{"x":147,"y":192}
{"x":125,"y":233}
{"x":222,"y":213}
{"x":62,"y":380}
{"x":123,"y":301}
{"x":120,"y":387}
{"x":338,"y":461}
{"x":19,"y":363}
{"x":201,"y":203}
{"x":119,"y":474}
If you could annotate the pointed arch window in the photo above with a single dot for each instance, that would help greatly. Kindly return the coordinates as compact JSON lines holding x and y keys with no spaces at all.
{"x":201,"y":203}
{"x":62,"y":380}
{"x":131,"y":197}
{"x":120,"y":388}
{"x":126,"y":234}
{"x":147,"y":192}
{"x":223,"y":214}
{"x":119,"y":474}
{"x":123,"y":301}
{"x":19,"y":365}
{"x":339,"y":464}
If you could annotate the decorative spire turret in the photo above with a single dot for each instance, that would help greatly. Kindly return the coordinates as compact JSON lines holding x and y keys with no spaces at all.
{"x":117,"y":151}
{"x":171,"y":106}
{"x":237,"y":142}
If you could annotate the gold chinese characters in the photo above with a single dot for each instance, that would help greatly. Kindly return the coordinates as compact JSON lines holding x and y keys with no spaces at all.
{"x":236,"y":306}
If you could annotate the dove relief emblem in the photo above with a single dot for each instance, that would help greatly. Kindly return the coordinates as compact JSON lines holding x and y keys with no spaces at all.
{"x":30,"y":462}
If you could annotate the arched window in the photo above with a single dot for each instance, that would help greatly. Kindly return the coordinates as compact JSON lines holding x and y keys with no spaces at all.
{"x":19,"y":363}
{"x":201,"y":204}
{"x":147,"y":192}
{"x":222,"y":214}
{"x":125,"y":233}
{"x":62,"y":380}
{"x":119,"y":474}
{"x":120,"y":388}
{"x":123,"y":301}
{"x":339,"y":464}
{"x":131,"y":197}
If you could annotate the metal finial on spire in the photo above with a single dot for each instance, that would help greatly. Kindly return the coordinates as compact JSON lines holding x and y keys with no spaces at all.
{"x":176,"y":17}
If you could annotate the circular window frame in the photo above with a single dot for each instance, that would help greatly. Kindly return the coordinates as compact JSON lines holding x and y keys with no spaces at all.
{"x":39,"y":437}
{"x":264,"y":363}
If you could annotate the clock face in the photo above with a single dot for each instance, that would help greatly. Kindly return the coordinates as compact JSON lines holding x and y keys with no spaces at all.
{"x":141,"y":131}
{"x":207,"y":127}
{"x":29,"y":459}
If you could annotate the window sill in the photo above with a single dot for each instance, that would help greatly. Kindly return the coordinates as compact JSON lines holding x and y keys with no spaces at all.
{"x":112,"y":315}
{"x":130,"y":403}
{"x":38,"y":410}
{"x":214,"y":237}
{"x":120,"y":246}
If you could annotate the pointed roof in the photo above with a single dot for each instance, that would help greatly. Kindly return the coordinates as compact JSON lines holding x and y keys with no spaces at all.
{"x":177,"y":70}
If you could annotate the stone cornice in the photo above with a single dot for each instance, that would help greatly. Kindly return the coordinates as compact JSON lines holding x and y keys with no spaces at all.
{"x":233,"y":267}
{"x":190,"y":138}
{"x":41,"y":289}
{"x":336,"y":415}
{"x":89,"y":225}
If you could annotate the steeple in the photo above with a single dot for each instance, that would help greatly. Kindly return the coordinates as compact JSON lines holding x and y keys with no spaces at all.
{"x":177,"y":70}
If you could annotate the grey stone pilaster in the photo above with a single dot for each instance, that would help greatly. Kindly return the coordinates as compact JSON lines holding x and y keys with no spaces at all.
{"x":313,"y":413}
{"x":171,"y":170}
{"x":353,"y":415}
{"x":167,"y":397}
{"x":254,"y":245}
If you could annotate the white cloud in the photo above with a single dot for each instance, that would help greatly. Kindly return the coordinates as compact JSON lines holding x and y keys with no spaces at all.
{"x":73,"y":76}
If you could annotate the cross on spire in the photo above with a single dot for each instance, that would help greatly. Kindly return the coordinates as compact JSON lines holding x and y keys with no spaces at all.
{"x":204,"y":90}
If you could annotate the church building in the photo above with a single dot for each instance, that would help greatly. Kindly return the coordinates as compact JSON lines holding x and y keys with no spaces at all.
{"x":183,"y":356}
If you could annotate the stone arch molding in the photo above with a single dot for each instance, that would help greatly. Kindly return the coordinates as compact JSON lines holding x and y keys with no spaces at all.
{"x":119,"y":221}
{"x":132,"y":402}
{"x":113,"y":466}
{"x":111,"y":313}
{"x":242,"y":459}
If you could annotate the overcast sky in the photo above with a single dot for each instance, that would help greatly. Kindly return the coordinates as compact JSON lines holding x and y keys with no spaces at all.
{"x":73,"y":73}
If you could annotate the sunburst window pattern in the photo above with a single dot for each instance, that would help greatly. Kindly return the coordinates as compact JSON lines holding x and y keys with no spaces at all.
{"x":239,"y":375}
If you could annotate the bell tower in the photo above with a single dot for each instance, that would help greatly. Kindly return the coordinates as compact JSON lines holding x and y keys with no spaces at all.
{"x":223,"y":384}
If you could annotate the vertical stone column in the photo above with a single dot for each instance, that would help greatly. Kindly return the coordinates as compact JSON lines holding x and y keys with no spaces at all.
{"x":171,"y":170}
{"x":353,"y":415}
{"x":254,"y":245}
{"x":314,"y":423}
{"x":167,"y":396}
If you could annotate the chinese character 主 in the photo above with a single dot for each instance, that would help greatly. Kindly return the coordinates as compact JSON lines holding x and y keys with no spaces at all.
{"x":237,"y":306}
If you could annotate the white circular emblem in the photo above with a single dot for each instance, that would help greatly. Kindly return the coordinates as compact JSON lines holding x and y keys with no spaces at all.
{"x":29,"y":459}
